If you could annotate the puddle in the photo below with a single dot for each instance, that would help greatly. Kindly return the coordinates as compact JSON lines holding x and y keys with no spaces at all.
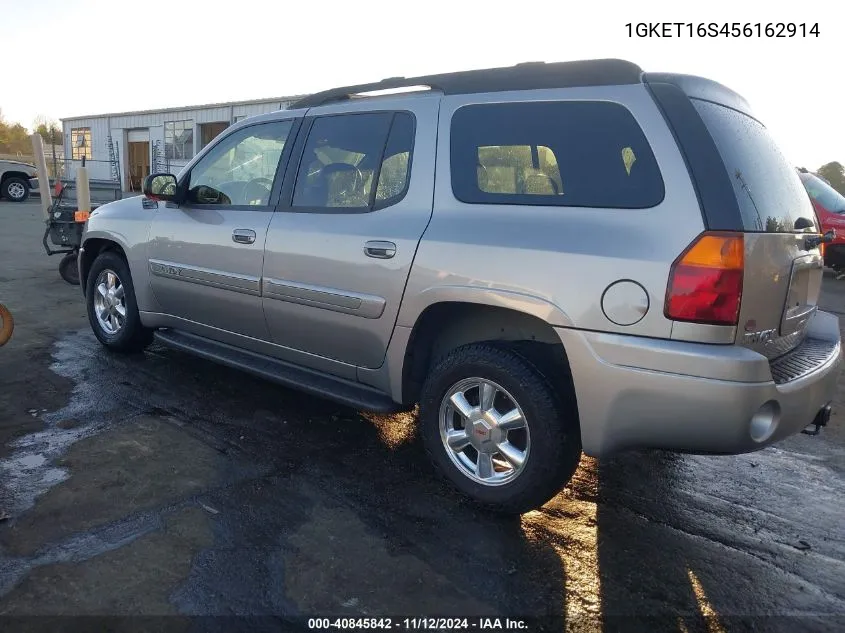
{"x":30,"y":461}
{"x":31,"y":470}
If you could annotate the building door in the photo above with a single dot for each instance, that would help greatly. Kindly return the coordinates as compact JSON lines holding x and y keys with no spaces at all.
{"x":209,"y":131}
{"x":139,"y":158}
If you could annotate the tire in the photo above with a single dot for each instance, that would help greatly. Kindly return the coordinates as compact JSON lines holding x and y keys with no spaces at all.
{"x":553,"y":447}
{"x":15,"y":189}
{"x":127,"y":335}
{"x":68,"y":269}
{"x":7,"y":325}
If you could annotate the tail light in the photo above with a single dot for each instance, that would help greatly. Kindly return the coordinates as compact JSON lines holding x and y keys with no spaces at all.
{"x":705,"y":282}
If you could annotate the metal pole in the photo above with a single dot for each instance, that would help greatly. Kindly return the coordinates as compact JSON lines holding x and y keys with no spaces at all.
{"x":55,"y":166}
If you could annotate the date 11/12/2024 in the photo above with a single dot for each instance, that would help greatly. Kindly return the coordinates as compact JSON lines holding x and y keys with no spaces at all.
{"x":723,"y":29}
{"x":417,"y":623}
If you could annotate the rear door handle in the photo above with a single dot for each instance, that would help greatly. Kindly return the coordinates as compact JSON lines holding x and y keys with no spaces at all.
{"x":243,"y":236}
{"x":379,"y":249}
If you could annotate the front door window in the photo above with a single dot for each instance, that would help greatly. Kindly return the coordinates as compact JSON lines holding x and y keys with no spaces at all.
{"x":241,"y":168}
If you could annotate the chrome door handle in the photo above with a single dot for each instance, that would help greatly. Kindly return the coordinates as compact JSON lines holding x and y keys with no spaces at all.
{"x":243,"y":236}
{"x":379,"y":249}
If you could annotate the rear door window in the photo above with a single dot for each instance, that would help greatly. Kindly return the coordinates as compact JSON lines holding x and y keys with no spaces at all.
{"x":356,"y":162}
{"x":770,"y":194}
{"x":559,"y":153}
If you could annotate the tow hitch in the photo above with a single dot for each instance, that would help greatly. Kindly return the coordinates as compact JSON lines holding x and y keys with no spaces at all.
{"x":821,"y":420}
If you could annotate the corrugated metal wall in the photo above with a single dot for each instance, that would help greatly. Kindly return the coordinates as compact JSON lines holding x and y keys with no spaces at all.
{"x":99,"y":167}
{"x":99,"y":149}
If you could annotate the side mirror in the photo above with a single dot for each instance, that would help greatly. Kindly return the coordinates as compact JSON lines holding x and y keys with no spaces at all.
{"x":161,"y":187}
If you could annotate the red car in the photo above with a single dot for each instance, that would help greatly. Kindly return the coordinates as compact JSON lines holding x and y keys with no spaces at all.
{"x":830,"y":209}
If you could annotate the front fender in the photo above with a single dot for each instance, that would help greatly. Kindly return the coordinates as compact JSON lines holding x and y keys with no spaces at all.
{"x":126,"y":224}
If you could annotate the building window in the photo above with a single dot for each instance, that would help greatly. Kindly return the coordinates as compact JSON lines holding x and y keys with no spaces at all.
{"x":179,"y":140}
{"x":80,"y":143}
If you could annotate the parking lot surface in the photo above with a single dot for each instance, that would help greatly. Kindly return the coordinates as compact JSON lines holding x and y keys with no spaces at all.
{"x":163,"y":485}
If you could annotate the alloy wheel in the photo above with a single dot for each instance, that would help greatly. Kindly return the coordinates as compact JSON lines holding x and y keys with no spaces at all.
{"x":110,"y":302}
{"x":484,"y":431}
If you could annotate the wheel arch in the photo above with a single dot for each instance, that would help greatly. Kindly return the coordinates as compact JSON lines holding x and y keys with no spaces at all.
{"x":91,"y":249}
{"x":15,"y":174}
{"x":447,"y":325}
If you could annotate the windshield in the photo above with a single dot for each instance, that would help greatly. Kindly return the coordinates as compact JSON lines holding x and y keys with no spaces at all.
{"x":823,"y":193}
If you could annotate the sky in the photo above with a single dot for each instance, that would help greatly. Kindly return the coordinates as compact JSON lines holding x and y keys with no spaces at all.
{"x":91,"y":56}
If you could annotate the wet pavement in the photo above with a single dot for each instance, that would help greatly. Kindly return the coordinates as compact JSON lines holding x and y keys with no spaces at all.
{"x":163,"y":485}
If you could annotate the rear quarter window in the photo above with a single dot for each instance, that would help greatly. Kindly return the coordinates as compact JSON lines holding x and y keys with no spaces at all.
{"x":767,"y":187}
{"x":559,"y":153}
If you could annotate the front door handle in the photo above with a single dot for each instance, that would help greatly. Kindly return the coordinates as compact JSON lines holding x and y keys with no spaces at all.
{"x":379,"y":249}
{"x":243,"y":236}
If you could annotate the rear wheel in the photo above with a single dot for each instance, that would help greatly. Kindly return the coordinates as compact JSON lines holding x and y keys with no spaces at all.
{"x":493,"y":426}
{"x":68,"y":269}
{"x":15,"y":189}
{"x":112,"y":310}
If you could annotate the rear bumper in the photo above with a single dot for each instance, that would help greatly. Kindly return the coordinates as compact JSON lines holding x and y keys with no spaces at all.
{"x":645,"y":393}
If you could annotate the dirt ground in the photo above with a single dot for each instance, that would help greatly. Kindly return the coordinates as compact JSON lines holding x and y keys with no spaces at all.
{"x":165,"y":486}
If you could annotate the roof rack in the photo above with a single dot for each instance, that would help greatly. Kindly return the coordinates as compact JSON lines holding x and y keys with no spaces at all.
{"x":524,"y":76}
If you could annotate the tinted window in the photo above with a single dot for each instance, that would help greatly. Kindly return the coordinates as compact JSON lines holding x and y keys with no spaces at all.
{"x":346,"y":154}
{"x":241,"y":168}
{"x":823,"y":193}
{"x":770,"y":195}
{"x":396,"y":164}
{"x":566,"y":153}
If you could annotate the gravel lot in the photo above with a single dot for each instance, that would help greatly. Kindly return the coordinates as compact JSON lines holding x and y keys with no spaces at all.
{"x":164,"y":485}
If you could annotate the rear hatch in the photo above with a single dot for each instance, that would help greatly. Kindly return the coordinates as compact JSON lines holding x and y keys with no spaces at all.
{"x":783,"y":272}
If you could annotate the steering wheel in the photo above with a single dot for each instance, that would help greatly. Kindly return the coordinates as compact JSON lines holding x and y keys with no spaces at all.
{"x":259,"y":185}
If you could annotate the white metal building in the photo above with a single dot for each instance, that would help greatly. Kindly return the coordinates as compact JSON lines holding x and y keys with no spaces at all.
{"x":131,"y":145}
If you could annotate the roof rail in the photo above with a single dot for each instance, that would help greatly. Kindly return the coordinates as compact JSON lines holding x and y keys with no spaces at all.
{"x":524,"y":76}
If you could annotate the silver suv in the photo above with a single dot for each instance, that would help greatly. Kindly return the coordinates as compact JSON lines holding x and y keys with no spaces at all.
{"x":548,"y":258}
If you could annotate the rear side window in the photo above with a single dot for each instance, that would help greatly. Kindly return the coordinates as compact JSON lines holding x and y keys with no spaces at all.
{"x":770,"y":194}
{"x":563,"y":153}
{"x":357,"y":162}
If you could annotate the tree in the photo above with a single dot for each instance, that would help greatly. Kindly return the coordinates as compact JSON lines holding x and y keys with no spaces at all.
{"x":834,"y":173}
{"x":14,"y":139}
{"x":50,"y":130}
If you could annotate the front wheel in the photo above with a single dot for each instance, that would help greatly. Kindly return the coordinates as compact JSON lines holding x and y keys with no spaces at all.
{"x":493,"y":426}
{"x":112,"y":309}
{"x":15,"y":189}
